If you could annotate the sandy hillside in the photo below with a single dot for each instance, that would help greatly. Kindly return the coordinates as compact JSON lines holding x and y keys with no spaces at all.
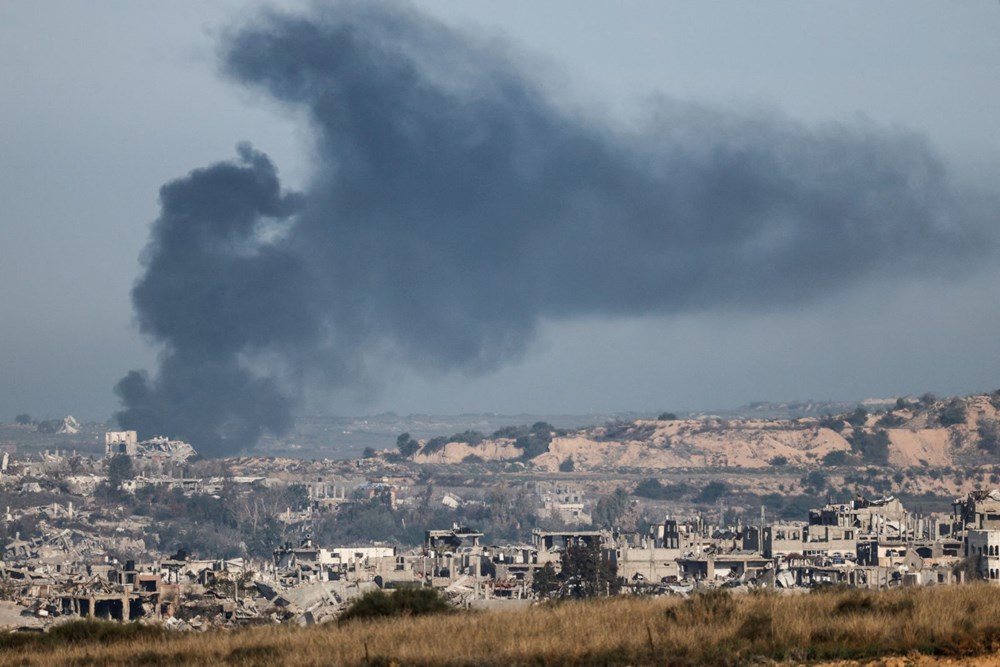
{"x":919,"y":434}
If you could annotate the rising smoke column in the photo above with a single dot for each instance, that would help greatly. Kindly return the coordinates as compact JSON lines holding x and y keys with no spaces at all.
{"x":215,"y":290}
{"x":454,"y":205}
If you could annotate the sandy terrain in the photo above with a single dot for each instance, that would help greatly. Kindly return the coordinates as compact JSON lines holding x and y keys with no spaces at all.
{"x":919,"y":441}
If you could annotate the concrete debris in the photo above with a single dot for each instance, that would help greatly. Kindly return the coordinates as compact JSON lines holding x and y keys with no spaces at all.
{"x":69,"y":426}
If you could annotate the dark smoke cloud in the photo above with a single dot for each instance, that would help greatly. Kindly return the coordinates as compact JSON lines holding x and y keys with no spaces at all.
{"x":454,"y":205}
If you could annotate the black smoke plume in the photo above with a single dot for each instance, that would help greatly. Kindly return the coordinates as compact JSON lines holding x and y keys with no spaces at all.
{"x":454,"y":205}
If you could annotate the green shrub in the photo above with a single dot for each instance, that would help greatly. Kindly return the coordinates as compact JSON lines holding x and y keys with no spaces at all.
{"x":832,"y":423}
{"x":858,"y":418}
{"x":403,"y":602}
{"x":655,"y":490}
{"x":837,"y":458}
{"x":989,"y":435}
{"x":873,"y":447}
{"x":435,"y":444}
{"x":712,"y":491}
{"x":952,"y":413}
{"x":890,"y":420}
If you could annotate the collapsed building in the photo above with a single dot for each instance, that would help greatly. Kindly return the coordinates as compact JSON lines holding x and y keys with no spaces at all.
{"x":977,"y":519}
{"x":158,"y":448}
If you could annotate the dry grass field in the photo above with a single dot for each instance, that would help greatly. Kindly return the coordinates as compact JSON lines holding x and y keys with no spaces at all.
{"x":711,"y":629}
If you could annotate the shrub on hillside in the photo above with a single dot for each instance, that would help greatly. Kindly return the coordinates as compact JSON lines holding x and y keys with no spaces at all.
{"x":435,"y":444}
{"x":952,"y":413}
{"x":655,"y":490}
{"x":712,"y":491}
{"x":890,"y":420}
{"x":858,"y":418}
{"x":989,"y":435}
{"x":837,"y":458}
{"x":832,"y":423}
{"x":873,"y":447}
{"x":532,"y":441}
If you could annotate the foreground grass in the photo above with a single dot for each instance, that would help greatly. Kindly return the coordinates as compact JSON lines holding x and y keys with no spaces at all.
{"x":715,"y":629}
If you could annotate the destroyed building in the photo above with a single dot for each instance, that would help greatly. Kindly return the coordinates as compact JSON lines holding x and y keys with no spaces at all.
{"x":159,"y":448}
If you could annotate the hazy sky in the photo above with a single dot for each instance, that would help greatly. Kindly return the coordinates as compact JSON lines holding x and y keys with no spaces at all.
{"x":104,"y":102}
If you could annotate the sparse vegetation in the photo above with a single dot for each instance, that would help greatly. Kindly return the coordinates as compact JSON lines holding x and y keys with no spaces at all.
{"x":837,"y":458}
{"x":404,"y":602}
{"x":610,"y":508}
{"x":857,"y":418}
{"x":626,"y":430}
{"x":406,"y":445}
{"x":953,"y":412}
{"x":989,"y":435}
{"x":715,"y":628}
{"x":532,"y":441}
{"x":890,"y":420}
{"x":655,"y":490}
{"x":873,"y":447}
{"x":833,"y":423}
{"x":712,"y":492}
{"x":435,"y":444}
{"x":83,"y":633}
{"x":815,"y":482}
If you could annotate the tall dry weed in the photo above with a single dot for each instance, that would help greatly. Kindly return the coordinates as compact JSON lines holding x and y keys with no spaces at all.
{"x":713,"y":628}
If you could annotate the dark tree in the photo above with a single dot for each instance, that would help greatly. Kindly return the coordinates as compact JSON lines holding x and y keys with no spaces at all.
{"x":890,"y":420}
{"x":837,"y":458}
{"x":858,"y":418}
{"x":655,"y":490}
{"x":873,"y":447}
{"x":832,"y":423}
{"x":667,"y":417}
{"x":712,"y":492}
{"x":815,"y":482}
{"x":536,"y":441}
{"x":120,"y":469}
{"x":48,"y":426}
{"x":610,"y":509}
{"x":587,"y":572}
{"x":952,"y":413}
{"x":407,"y":446}
{"x":989,"y":435}
{"x":265,"y":538}
{"x":545,"y":582}
{"x":22,"y":419}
